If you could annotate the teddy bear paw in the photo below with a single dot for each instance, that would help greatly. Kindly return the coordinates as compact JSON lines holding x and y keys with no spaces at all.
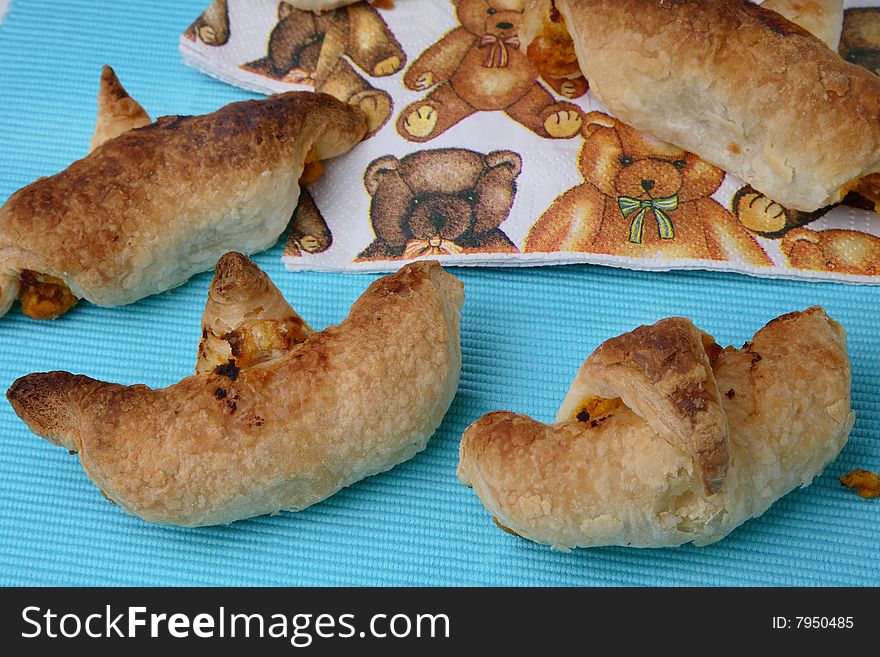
{"x":376,"y":105}
{"x":569,"y":89}
{"x":421,"y":122}
{"x":207,"y":35}
{"x":310,"y":244}
{"x":424,"y":81}
{"x":387,"y":66}
{"x":760,"y":214}
{"x":563,"y":124}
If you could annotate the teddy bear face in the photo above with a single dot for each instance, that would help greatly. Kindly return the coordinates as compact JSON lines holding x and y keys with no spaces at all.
{"x":444,"y":196}
{"x":500,"y":18}
{"x":442,"y":217}
{"x":621,"y":162}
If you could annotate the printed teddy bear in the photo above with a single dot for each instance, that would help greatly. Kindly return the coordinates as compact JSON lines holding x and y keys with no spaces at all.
{"x":309,"y":48}
{"x":860,"y":40}
{"x":833,"y":250}
{"x":480,"y":67}
{"x":440,"y":202}
{"x":212,"y":26}
{"x":309,"y":231}
{"x":644,"y":199}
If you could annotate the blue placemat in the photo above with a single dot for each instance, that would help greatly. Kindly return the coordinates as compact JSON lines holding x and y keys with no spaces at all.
{"x":525,"y":332}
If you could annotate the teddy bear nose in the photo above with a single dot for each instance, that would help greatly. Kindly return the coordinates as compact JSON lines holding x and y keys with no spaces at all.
{"x":437,"y":219}
{"x":504,"y":25}
{"x":647,"y":185}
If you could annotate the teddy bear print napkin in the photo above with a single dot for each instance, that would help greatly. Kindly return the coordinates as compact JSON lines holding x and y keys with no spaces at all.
{"x":474,"y":159}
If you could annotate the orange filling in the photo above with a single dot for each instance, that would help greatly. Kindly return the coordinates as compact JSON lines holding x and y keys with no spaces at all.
{"x":259,"y":340}
{"x":866,"y":484}
{"x":869,"y":187}
{"x":383,"y":4}
{"x":312,"y":169}
{"x":595,"y":409}
{"x":552,"y":51}
{"x":43,"y":296}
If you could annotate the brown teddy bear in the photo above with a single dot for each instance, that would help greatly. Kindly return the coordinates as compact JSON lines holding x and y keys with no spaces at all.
{"x":212,"y":26}
{"x":833,"y":250}
{"x":309,"y":48}
{"x":480,"y":67}
{"x":860,"y":39}
{"x":642,"y":199}
{"x":440,"y":202}
{"x":309,"y":231}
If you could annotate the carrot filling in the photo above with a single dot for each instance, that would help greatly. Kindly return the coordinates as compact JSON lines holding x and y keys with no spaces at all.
{"x":312,"y":169}
{"x":43,"y":296}
{"x":552,"y":51}
{"x":262,"y":339}
{"x":865,"y":483}
{"x":596,"y":409}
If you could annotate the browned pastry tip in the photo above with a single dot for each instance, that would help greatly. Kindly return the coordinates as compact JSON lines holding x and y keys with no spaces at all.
{"x":48,"y":404}
{"x":117,"y":111}
{"x":280,"y":433}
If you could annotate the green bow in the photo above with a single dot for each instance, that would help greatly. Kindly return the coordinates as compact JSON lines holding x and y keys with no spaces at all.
{"x":659,"y":206}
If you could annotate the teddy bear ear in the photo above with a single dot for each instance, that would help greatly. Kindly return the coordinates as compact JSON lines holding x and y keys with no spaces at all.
{"x":595,"y":121}
{"x":285,"y":9}
{"x":379,"y":167}
{"x":504,"y":159}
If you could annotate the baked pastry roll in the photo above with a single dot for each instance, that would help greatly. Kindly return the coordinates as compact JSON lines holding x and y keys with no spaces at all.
{"x":619,"y":466}
{"x":279,"y":433}
{"x":153,"y":206}
{"x":737,"y":84}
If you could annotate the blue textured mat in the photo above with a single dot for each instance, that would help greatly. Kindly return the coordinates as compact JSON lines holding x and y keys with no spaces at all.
{"x":524,"y":335}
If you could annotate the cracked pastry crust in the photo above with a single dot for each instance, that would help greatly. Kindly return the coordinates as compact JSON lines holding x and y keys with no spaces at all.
{"x":625,"y":478}
{"x":153,"y":206}
{"x":741,"y":86}
{"x":281,"y":434}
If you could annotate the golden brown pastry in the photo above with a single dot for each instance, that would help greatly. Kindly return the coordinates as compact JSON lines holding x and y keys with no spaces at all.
{"x":739,"y":85}
{"x":622,"y":469}
{"x":153,"y":206}
{"x":282,"y":434}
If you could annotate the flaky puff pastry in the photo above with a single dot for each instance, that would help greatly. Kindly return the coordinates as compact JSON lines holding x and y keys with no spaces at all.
{"x":739,"y":85}
{"x":153,"y":206}
{"x":626,"y":473}
{"x":281,"y":434}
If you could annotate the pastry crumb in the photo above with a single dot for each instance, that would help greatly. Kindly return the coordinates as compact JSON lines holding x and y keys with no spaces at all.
{"x":863,"y":482}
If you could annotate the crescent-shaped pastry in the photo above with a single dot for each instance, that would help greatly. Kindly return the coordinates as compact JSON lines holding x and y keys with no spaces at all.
{"x":739,"y":85}
{"x":153,"y":206}
{"x":312,"y":413}
{"x":620,"y":466}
